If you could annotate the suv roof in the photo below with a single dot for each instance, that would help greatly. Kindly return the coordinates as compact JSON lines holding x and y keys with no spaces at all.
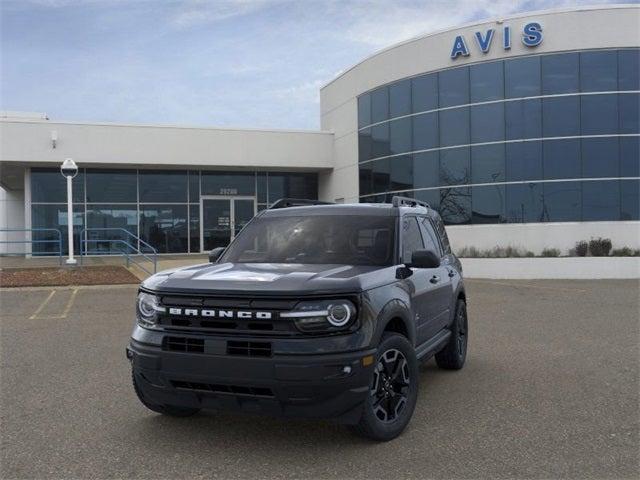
{"x":399,"y":205}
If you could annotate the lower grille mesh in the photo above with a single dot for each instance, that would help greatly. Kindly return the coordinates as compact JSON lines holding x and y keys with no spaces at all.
{"x":216,"y":388}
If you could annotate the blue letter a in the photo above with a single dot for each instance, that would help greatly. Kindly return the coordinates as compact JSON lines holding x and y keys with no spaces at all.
{"x":459,"y":48}
{"x":485,"y":43}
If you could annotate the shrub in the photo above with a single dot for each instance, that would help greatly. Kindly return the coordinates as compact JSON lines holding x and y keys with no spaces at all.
{"x":581,"y":248}
{"x":600,"y":247}
{"x":625,"y":252}
{"x":550,"y":252}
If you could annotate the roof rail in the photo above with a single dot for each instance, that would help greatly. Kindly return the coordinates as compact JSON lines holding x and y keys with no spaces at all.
{"x":398,"y":201}
{"x":295,"y":202}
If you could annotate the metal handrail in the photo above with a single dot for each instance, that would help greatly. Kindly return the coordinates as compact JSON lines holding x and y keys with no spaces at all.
{"x":32,"y":241}
{"x":149,"y":256}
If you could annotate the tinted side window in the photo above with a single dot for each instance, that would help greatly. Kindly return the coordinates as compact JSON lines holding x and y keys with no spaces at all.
{"x":429,"y":236}
{"x":411,"y":238}
{"x":444,"y":239}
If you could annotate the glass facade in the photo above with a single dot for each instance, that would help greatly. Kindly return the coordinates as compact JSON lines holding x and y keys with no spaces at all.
{"x":162,"y":207}
{"x":545,"y":138}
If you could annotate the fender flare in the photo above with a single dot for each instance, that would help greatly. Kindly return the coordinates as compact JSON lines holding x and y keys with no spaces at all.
{"x":394,"y":309}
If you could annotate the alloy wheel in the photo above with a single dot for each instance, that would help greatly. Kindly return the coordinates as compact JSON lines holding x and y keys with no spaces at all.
{"x":390,"y":387}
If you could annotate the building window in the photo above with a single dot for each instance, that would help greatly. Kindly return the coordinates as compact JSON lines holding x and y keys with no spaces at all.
{"x":165,"y":227}
{"x":424,"y":93}
{"x":453,"y":86}
{"x":112,"y":186}
{"x":163,"y":186}
{"x":522,"y":77}
{"x":560,"y":73}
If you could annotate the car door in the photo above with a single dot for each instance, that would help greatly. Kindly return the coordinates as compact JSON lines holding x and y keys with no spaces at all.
{"x":440,"y":299}
{"x":420,"y":283}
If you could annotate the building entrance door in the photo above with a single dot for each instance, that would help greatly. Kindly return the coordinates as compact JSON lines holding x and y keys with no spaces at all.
{"x":222,"y":218}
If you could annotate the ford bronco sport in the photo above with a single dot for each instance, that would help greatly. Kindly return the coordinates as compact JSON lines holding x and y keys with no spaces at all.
{"x":314,"y":310}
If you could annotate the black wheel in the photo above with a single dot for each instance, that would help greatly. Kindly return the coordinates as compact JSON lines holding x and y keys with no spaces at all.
{"x":169,"y":410}
{"x":453,"y":355}
{"x":393,"y":390}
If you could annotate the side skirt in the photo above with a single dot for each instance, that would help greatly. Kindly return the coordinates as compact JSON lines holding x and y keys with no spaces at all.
{"x":433,"y":345}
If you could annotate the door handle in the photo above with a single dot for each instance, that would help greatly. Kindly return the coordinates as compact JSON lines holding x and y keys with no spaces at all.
{"x":435,"y":279}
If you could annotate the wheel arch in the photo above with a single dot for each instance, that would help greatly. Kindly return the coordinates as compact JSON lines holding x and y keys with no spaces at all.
{"x":395,"y":317}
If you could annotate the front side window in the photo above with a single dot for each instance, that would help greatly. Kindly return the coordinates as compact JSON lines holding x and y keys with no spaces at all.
{"x":316,"y":239}
{"x":411,"y":238}
{"x":429,"y":236}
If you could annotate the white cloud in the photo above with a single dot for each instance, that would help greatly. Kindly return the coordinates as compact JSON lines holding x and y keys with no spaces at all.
{"x":196,"y":12}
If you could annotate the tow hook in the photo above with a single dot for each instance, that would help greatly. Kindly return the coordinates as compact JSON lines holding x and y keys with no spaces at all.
{"x":129,"y":354}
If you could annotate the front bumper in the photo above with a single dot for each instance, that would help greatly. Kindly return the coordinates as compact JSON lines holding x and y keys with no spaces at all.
{"x":330,"y":385}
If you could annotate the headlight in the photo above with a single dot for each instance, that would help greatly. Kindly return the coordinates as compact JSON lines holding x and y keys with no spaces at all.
{"x":147,"y":309}
{"x":323,"y":316}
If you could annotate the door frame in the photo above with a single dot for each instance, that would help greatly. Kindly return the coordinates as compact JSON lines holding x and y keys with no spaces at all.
{"x":232,"y":211}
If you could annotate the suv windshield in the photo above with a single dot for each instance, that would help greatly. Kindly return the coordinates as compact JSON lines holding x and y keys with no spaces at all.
{"x":328,"y":239}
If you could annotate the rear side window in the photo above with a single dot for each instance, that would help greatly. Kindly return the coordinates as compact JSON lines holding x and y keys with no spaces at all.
{"x":430,"y":238}
{"x":411,"y":238}
{"x":442,"y":233}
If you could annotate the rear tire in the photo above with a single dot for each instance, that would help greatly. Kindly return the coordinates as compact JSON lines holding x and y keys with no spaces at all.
{"x":169,"y":410}
{"x":393,"y":390}
{"x":454,"y":354}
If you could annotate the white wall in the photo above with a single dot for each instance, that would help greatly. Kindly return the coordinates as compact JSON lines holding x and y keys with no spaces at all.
{"x":538,"y":236}
{"x":29,"y":141}
{"x":11,"y":216}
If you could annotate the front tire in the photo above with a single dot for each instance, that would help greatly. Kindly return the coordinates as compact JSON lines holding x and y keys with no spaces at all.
{"x":393,"y":390}
{"x":169,"y":410}
{"x":454,"y":354}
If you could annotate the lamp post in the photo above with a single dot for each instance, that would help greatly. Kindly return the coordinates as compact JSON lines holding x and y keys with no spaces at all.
{"x":69,"y":170}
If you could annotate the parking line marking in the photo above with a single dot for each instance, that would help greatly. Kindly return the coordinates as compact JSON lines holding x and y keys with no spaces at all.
{"x":62,"y":315}
{"x":42,"y":305}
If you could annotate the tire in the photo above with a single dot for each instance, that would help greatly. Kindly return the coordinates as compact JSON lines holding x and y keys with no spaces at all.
{"x":169,"y":410}
{"x":393,"y":390}
{"x":454,"y":354}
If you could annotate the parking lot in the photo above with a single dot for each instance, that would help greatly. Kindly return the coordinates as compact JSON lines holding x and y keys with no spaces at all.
{"x":550,"y":390}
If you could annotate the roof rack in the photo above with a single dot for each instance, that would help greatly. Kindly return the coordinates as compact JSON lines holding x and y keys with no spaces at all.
{"x":398,"y":201}
{"x":295,"y":202}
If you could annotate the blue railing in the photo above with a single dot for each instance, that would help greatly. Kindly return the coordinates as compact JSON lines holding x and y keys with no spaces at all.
{"x":57,"y":241}
{"x":131,"y":243}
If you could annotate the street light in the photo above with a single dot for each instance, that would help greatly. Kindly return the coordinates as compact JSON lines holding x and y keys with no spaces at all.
{"x":69,"y":170}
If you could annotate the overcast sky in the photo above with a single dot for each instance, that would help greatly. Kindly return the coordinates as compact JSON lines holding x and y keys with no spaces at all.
{"x":243,"y":63}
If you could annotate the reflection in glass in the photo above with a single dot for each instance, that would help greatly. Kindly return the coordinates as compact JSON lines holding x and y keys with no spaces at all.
{"x":522,"y":77}
{"x":115,"y":218}
{"x":598,"y":71}
{"x":401,"y":173}
{"x":261,"y":186}
{"x":380,"y":141}
{"x":630,"y":157}
{"x":293,"y":185}
{"x":600,"y":157}
{"x":165,"y":227}
{"x":194,"y":227}
{"x":118,"y":186}
{"x":524,"y":203}
{"x":487,"y":81}
{"x":629,"y":69}
{"x":454,"y":166}
{"x":487,"y":123}
{"x":599,"y":114}
{"x":629,"y":113}
{"x":600,"y":200}
{"x":381,"y":175}
{"x":560,"y":73}
{"x":216,"y":223}
{"x":365,"y":147}
{"x":379,"y":104}
{"x":194,"y":186}
{"x":400,"y":99}
{"x":454,"y":127}
{"x":424,"y":93}
{"x":488,"y":164}
{"x":163,"y":186}
{"x":425,"y":131}
{"x":364,"y":110}
{"x":562,"y":202}
{"x":523,"y":161}
{"x":400,"y":135}
{"x":523,"y":119}
{"x":488,"y":204}
{"x":432,"y":197}
{"x":366,"y":178}
{"x":53,"y":216}
{"x":453,"y":87}
{"x":455,"y":205}
{"x":49,"y":186}
{"x":426,"y":169}
{"x":561,"y":159}
{"x":630,"y":200}
{"x":561,"y":116}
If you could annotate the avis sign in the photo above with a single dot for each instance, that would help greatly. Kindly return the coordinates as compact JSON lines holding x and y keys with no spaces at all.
{"x":531,"y":37}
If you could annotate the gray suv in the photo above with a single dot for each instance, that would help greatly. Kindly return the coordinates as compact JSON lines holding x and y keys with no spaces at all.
{"x":314,"y":310}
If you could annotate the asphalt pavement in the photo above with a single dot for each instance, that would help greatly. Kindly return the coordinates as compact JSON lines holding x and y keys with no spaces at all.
{"x":550,"y":390}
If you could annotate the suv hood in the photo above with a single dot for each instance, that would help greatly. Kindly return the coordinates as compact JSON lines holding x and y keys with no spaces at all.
{"x":270,"y":278}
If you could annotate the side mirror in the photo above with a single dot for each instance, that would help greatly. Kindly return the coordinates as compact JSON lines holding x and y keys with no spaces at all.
{"x":424,"y":259}
{"x":215,"y":254}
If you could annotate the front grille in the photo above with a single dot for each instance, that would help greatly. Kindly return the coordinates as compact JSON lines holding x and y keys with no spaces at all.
{"x":229,"y":389}
{"x":183,"y":344}
{"x":249,"y":349}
